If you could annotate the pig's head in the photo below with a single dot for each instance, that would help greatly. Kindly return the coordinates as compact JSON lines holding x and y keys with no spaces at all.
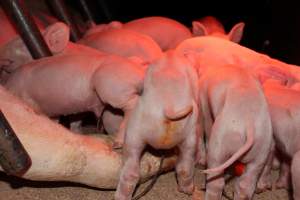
{"x":235,"y":34}
{"x":93,"y":28}
{"x":15,"y":53}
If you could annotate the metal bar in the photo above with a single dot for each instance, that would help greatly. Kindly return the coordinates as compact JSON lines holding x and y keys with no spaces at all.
{"x":28,"y":30}
{"x":105,"y":9}
{"x":62,"y":14}
{"x":87,"y":10}
{"x":14,"y":159}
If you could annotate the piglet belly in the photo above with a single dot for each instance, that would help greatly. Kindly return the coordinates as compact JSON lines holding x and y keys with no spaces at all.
{"x":69,"y":97}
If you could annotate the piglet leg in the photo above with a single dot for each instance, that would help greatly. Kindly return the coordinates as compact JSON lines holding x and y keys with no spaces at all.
{"x":130,"y":172}
{"x":295,"y":169}
{"x":201,"y":149}
{"x":246,"y":183}
{"x":284,"y":180}
{"x":215,"y":157}
{"x":265,"y":182}
{"x":119,"y":140}
{"x":215,"y":181}
{"x":185,"y":164}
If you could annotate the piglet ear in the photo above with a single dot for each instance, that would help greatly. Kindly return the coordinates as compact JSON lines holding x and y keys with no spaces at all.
{"x":199,"y":29}
{"x":236,"y":33}
{"x":57,"y":37}
{"x":115,"y":25}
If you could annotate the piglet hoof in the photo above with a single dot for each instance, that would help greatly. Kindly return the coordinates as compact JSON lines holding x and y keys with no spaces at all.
{"x":263,"y":186}
{"x":117,"y":145}
{"x":186,"y":189}
{"x":282,"y":184}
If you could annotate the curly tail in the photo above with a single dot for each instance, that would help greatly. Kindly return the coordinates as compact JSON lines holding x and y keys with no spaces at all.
{"x":245,"y":148}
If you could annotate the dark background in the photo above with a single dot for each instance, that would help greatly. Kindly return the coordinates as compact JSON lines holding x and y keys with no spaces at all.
{"x":272,"y":22}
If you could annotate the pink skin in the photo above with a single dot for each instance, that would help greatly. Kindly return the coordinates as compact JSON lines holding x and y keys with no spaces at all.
{"x":235,"y":112}
{"x":69,"y":84}
{"x":283,"y":181}
{"x":60,"y":155}
{"x":94,"y":28}
{"x":166,"y":32}
{"x":284,"y":110}
{"x":112,"y":121}
{"x":265,"y":181}
{"x":123,"y":42}
{"x":111,"y":39}
{"x":210,"y":26}
{"x":166,"y":116}
{"x":212,"y":51}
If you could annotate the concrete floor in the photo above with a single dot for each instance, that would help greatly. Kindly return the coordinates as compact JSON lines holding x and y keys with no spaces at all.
{"x":165,"y":189}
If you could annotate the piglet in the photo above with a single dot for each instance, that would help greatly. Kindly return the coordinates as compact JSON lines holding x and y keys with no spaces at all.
{"x":165,"y":116}
{"x":68,"y":84}
{"x":235,"y":112}
{"x":211,"y":51}
{"x":284,"y":109}
{"x":123,"y":42}
{"x":211,"y":26}
{"x":168,"y":33}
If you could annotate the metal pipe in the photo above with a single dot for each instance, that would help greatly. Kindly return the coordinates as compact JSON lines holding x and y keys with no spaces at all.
{"x":62,"y":14}
{"x":28,"y":30}
{"x":87,"y":10}
{"x":14,"y":159}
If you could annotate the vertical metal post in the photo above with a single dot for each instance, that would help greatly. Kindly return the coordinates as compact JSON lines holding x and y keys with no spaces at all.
{"x":62,"y":14}
{"x":86,"y":10}
{"x":14,"y":159}
{"x":28,"y":30}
